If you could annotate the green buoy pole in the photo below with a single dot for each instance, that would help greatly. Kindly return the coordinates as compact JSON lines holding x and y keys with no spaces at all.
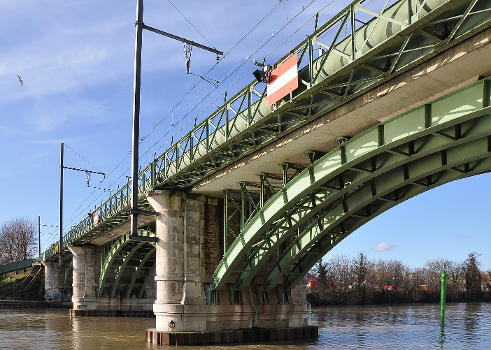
{"x":442,"y":297}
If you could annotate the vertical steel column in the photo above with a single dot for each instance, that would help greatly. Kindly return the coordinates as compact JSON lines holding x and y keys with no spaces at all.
{"x":39,"y":235}
{"x":249,"y":103}
{"x":60,"y":243}
{"x":486,"y":99}
{"x":227,"y":130}
{"x":311,"y":61}
{"x":409,"y":12}
{"x":225,"y":220}
{"x":243,"y":203}
{"x":136,"y":117}
{"x":285,"y":173}
{"x":261,"y":189}
{"x":353,"y":30}
{"x":153,"y":173}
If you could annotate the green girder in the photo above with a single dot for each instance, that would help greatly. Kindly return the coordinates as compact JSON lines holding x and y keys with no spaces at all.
{"x":138,"y":269}
{"x":122,"y":267}
{"x":116,"y":260}
{"x":351,"y":65}
{"x":68,"y":280}
{"x":317,"y":240}
{"x":147,"y":277}
{"x":400,"y":143}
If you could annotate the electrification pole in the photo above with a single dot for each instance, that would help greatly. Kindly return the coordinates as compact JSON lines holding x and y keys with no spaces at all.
{"x":39,"y":232}
{"x":62,"y":166}
{"x":136,"y":118}
{"x":60,"y":243}
{"x":136,"y":108}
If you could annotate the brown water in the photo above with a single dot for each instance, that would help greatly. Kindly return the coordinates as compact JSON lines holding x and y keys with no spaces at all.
{"x":468,"y":326}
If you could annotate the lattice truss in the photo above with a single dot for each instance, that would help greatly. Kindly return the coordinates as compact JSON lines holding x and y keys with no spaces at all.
{"x":366,"y":44}
{"x":338,"y":192}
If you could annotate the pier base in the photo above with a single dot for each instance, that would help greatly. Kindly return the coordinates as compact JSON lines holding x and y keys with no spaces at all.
{"x":237,"y":336}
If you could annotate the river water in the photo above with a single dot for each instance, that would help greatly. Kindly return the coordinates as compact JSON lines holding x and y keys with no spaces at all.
{"x":467,"y":326}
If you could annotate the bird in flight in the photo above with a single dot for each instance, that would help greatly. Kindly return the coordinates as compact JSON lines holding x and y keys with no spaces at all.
{"x":20,"y":80}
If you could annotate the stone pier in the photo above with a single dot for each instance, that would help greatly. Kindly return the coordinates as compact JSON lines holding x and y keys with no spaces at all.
{"x":86,"y":266}
{"x":53,"y":281}
{"x":185,"y":262}
{"x":86,"y":272}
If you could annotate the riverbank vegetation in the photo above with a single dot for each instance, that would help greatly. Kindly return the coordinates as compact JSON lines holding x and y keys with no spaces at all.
{"x":22,"y":286}
{"x":345,"y":281}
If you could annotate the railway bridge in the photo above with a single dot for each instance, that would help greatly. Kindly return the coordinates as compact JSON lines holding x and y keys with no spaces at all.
{"x":395,"y":103}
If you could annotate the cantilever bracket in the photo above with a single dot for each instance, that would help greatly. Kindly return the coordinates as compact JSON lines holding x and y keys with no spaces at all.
{"x":143,"y":238}
{"x":144,"y":212}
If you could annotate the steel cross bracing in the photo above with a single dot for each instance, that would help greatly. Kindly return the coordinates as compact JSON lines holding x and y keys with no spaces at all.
{"x":357,"y":58}
{"x":436,"y":143}
{"x":125,"y":263}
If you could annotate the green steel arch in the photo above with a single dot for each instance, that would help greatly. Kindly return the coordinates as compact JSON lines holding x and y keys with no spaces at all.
{"x":140,"y":269}
{"x":338,"y":222}
{"x":435,"y":143}
{"x":126,"y":258}
{"x":363,"y":49}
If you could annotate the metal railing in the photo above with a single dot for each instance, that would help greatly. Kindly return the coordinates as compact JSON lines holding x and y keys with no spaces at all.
{"x":355,"y":33}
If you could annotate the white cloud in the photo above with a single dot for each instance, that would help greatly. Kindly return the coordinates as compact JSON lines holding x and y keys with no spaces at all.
{"x":383,"y":247}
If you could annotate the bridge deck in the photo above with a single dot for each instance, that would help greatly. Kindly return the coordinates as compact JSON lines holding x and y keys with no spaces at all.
{"x":449,"y":71}
{"x":386,"y":45}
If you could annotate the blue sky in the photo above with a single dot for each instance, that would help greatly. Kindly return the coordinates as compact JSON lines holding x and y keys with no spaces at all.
{"x":76,"y":61}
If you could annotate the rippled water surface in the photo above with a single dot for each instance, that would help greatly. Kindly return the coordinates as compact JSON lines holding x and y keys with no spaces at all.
{"x":467,"y":326}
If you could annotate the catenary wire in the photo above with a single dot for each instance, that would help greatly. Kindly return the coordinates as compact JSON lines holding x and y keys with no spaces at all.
{"x":192,"y":25}
{"x":177,"y":104}
{"x":233,"y":71}
{"x":226,"y":77}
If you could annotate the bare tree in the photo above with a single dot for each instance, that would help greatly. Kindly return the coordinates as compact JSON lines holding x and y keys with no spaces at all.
{"x":472,"y":278}
{"x":339,"y":272}
{"x":17,"y":240}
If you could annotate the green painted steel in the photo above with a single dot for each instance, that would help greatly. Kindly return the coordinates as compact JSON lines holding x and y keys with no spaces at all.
{"x":122,"y":251}
{"x":443,"y":286}
{"x":357,"y":58}
{"x":68,"y":280}
{"x":120,"y":270}
{"x":147,"y":277}
{"x":336,"y":224}
{"x":348,"y":181}
{"x":149,"y":256}
{"x":17,"y":265}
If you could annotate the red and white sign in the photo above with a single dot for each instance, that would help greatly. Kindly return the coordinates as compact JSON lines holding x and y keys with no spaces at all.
{"x":283,"y":80}
{"x":95,"y":218}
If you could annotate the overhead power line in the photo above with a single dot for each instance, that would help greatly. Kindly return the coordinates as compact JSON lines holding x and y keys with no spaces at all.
{"x":186,"y":94}
{"x":230,"y":73}
{"x":304,"y":7}
{"x":192,"y":25}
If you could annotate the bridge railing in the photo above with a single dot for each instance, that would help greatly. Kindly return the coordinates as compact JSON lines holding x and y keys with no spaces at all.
{"x":347,"y":36}
{"x":345,"y":39}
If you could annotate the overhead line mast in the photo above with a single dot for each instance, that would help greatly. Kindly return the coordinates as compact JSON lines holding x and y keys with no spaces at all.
{"x":136,"y":108}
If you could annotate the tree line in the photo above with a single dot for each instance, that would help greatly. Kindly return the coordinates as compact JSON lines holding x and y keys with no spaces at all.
{"x":17,"y":240}
{"x":342,"y":280}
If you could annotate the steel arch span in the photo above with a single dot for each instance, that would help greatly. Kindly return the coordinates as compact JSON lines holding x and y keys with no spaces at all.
{"x":438,"y":142}
{"x":124,"y":264}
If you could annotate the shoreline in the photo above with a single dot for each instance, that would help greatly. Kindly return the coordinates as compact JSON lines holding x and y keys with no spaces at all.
{"x":401,"y":303}
{"x":34,"y":304}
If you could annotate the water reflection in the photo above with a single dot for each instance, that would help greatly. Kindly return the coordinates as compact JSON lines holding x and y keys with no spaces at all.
{"x":470,"y":321}
{"x":354,"y":327}
{"x":442,"y":334}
